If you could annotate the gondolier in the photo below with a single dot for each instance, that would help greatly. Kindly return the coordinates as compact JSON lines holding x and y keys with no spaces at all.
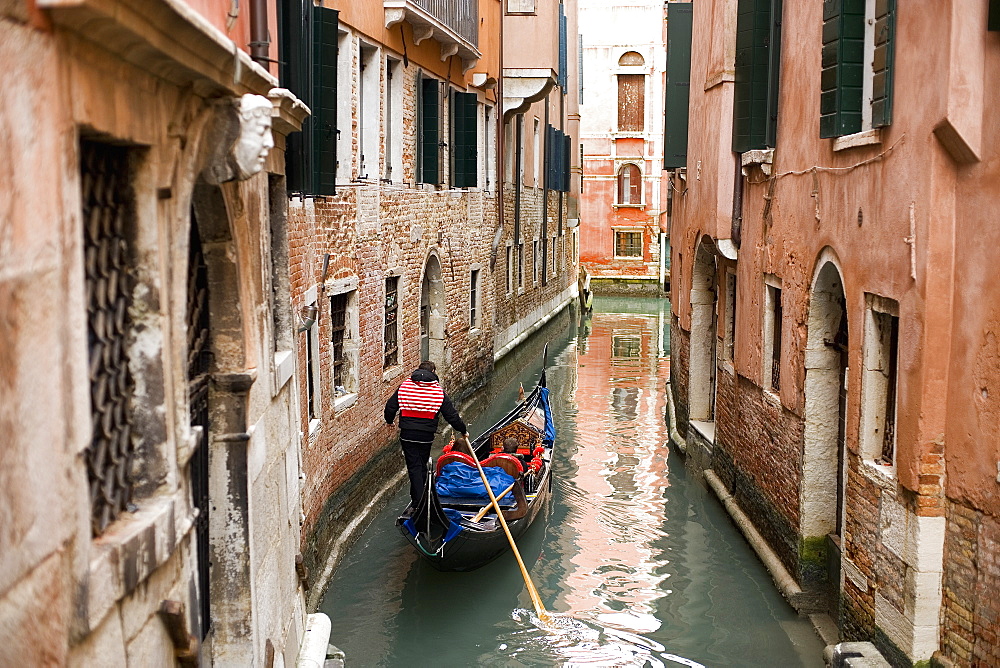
{"x":419,"y":400}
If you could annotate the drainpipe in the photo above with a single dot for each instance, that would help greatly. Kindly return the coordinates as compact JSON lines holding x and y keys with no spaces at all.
{"x":259,"y":42}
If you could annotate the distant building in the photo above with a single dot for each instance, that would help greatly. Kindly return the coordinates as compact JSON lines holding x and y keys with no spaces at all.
{"x":623,"y":206}
{"x":149,"y":461}
{"x":834,"y":353}
{"x":402,"y":217}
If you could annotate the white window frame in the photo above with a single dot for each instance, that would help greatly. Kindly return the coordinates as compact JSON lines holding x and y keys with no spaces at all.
{"x":772,"y":288}
{"x":642,"y":243}
{"x":393,"y":121}
{"x":352,"y":342}
{"x":346,"y":46}
{"x":879,"y":313}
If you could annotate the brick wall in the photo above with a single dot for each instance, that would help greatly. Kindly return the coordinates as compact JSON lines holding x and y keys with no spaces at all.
{"x":971,"y":605}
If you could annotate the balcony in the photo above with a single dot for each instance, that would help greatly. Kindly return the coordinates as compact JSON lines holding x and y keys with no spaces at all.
{"x":453,"y":23}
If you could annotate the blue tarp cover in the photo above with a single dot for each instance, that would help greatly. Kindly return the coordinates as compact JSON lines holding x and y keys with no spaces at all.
{"x":458,"y":480}
{"x":549,"y":437}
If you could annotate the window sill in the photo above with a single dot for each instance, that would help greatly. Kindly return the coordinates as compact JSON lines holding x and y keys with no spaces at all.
{"x":284,"y":368}
{"x":633,"y":258}
{"x":867,"y":138}
{"x":628,"y":206}
{"x":132,"y":548}
{"x":705,"y":428}
{"x":475,"y":331}
{"x":314,"y":426}
{"x":880,"y":474}
{"x":392,"y":372}
{"x":761,"y":157}
{"x":344,"y":402}
{"x":772,"y":397}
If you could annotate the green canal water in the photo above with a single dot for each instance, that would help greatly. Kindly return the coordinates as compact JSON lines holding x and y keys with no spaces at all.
{"x":636,"y":561}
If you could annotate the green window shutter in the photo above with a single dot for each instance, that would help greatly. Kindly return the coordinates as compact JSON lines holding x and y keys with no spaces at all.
{"x":993,"y":20}
{"x":567,"y":146}
{"x":757,"y":67}
{"x":464,"y":140}
{"x":324,"y":107}
{"x":550,"y":142}
{"x":430,"y":117}
{"x":842,"y":76}
{"x":885,"y":46}
{"x":678,"y":85}
{"x":295,"y":70}
{"x":563,"y":59}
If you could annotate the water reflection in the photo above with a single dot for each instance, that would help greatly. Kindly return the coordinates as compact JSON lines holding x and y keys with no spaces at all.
{"x":640,"y":565}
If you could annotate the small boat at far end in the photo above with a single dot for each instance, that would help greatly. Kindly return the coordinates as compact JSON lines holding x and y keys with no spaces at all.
{"x":452,"y":532}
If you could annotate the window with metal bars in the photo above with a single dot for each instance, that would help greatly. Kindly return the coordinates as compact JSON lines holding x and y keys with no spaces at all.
{"x":391,"y":330}
{"x":338,"y":332}
{"x":628,"y":244}
{"x":108,"y":218}
{"x":474,"y":299}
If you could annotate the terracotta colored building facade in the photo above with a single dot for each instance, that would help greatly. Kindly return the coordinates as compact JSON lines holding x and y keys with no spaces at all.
{"x":833,"y":337}
{"x":149,"y":486}
{"x":623,"y":203}
{"x":400,"y":217}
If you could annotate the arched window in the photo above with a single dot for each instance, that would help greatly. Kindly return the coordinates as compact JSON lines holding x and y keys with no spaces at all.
{"x":631,"y":59}
{"x":629,"y":185}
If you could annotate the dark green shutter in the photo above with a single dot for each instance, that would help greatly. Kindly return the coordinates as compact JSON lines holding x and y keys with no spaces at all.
{"x":464,"y":140}
{"x":678,"y":85}
{"x":885,"y":46}
{"x":324,"y":107}
{"x":295,"y":69}
{"x":993,"y":21}
{"x":842,"y":77}
{"x":758,"y":28}
{"x":563,"y":59}
{"x":567,"y":147}
{"x":429,"y":131}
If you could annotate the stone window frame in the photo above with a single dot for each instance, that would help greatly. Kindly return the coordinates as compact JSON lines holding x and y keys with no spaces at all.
{"x":392,"y":120}
{"x":629,"y":229}
{"x":397,"y":274}
{"x":314,"y":371}
{"x":877,"y":371}
{"x":488,"y":140}
{"x":773,"y":302}
{"x":279,"y":296}
{"x":475,"y":297}
{"x":729,"y":317}
{"x":535,"y":257}
{"x":352,"y":341}
{"x":510,"y":268}
{"x":346,"y":48}
{"x":620,"y":172}
{"x":369,"y":106}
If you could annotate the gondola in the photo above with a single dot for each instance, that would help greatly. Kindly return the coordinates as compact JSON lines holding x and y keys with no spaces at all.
{"x":442,"y":528}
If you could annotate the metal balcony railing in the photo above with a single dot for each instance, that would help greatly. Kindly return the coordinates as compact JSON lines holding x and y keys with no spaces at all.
{"x":461,"y":16}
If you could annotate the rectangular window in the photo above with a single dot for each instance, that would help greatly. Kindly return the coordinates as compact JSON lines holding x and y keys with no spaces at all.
{"x":108,"y":210}
{"x":729,"y":336}
{"x":429,"y":131}
{"x":391,"y":330}
{"x":555,"y":254}
{"x":343,"y":130}
{"x":474,"y":299}
{"x":393,"y":121}
{"x":678,"y":84}
{"x":772,"y":333}
{"x":312,"y":370}
{"x":626,"y":346}
{"x":464,"y":140}
{"x":369,"y":75}
{"x":534,"y":261}
{"x":758,"y":57}
{"x":308,"y":54}
{"x":510,"y":269}
{"x":628,"y":244}
{"x":631,"y":102}
{"x":537,"y":149}
{"x":489,"y":163}
{"x":856,"y":96}
{"x":338,"y":332}
{"x":879,"y":381}
{"x":520,"y":265}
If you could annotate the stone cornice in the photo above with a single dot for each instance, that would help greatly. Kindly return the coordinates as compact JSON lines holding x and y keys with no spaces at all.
{"x":167,"y":38}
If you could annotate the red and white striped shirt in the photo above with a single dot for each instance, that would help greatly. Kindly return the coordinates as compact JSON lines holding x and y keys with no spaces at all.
{"x":418,"y":399}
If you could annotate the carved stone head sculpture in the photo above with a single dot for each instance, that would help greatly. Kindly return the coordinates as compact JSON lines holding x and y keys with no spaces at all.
{"x":255,"y":140}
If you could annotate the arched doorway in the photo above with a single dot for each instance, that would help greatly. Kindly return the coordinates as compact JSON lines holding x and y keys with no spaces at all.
{"x":824,"y":446}
{"x":433,"y":314}
{"x":701,"y":389}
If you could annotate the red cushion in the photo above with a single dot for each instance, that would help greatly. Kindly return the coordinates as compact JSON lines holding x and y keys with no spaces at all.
{"x":450,"y":457}
{"x":492,"y":459}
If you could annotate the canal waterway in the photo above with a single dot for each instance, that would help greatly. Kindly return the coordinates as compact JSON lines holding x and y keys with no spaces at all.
{"x":637,"y":562}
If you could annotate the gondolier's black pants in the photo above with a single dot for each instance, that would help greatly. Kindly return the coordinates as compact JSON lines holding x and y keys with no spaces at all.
{"x":416,"y":451}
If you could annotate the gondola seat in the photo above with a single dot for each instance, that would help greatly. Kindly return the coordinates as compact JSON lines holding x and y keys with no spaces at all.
{"x":449,"y":457}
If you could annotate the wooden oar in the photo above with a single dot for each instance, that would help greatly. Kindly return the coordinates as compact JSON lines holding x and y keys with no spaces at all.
{"x":485,"y":509}
{"x":532,"y":592}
